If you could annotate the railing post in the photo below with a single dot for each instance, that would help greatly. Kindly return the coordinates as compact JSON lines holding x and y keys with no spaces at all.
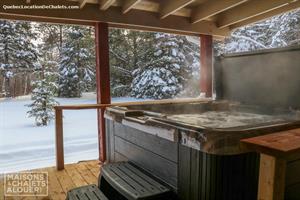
{"x":102,"y":81}
{"x":59,"y":140}
{"x":206,"y":58}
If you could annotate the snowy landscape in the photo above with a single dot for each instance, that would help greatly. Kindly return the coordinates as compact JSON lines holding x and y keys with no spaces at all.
{"x":26,"y":146}
{"x":43,"y":65}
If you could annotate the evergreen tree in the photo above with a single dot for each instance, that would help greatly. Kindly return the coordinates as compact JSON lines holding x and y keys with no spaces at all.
{"x":278,"y":31}
{"x":76,"y":67}
{"x":167,"y":69}
{"x":18,"y":54}
{"x":43,"y":99}
{"x":128,"y":51}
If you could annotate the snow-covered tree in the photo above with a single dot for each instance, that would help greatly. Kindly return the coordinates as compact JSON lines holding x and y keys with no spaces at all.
{"x":43,"y":98}
{"x":18,"y":54}
{"x":76,"y":67}
{"x":128,"y":51}
{"x":278,"y":31}
{"x":167,"y":69}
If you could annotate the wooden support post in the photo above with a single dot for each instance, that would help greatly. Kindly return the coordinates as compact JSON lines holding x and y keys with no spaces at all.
{"x":59,"y":139}
{"x":102,"y":81}
{"x":206,"y":53}
{"x":272,"y":172}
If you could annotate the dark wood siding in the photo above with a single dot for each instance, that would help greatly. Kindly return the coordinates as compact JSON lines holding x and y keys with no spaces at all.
{"x":207,"y":177}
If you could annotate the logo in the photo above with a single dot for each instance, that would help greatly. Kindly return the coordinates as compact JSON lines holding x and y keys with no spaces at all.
{"x":26,"y":184}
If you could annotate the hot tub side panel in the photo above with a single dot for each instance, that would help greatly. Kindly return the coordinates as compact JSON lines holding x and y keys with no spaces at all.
{"x":206,"y":176}
{"x":156,"y":155}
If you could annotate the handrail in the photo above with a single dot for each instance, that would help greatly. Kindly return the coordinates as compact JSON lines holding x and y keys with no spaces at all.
{"x":59,"y":118}
{"x":131,"y":103}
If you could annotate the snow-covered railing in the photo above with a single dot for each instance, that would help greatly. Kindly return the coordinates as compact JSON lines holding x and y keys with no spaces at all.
{"x":59,"y":119}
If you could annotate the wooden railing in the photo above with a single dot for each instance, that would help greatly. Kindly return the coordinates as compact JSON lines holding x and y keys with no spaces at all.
{"x":59,"y":119}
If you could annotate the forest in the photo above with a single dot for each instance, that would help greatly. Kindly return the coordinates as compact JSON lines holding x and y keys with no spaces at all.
{"x":53,"y":60}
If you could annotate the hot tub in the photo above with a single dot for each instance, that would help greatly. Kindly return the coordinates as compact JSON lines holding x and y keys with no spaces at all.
{"x":194,"y":147}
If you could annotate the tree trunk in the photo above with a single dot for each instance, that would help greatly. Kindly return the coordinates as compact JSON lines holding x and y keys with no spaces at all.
{"x":25,"y":84}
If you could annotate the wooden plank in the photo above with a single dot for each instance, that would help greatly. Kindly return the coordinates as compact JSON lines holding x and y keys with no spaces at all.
{"x":85,"y":173}
{"x":128,"y":5}
{"x":55,"y":189}
{"x":206,"y":51}
{"x":135,"y":19}
{"x":271,"y":178}
{"x":59,"y":140}
{"x":105,"y":4}
{"x":59,"y":182}
{"x":102,"y":81}
{"x":94,"y":167}
{"x":248,"y":10}
{"x":168,"y":7}
{"x":285,"y":144}
{"x":82,"y":3}
{"x":65,"y":181}
{"x":287,"y":8}
{"x":75,"y":176}
{"x":1,"y":187}
{"x":211,"y":8}
{"x":152,"y":102}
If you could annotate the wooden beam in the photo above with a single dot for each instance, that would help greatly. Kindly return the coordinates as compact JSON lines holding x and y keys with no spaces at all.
{"x":206,"y":51}
{"x":272,"y":173}
{"x":102,"y":81}
{"x":105,"y":4}
{"x":290,"y":7}
{"x":128,"y":5}
{"x":82,"y":3}
{"x":248,"y":10}
{"x":213,"y":7}
{"x":59,"y":139}
{"x":134,"y":103}
{"x":169,"y":7}
{"x":28,"y":1}
{"x":135,"y":19}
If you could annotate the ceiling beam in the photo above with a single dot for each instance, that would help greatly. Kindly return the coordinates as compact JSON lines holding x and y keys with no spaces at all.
{"x":128,"y":5}
{"x":82,"y":3}
{"x":278,"y":11}
{"x":105,"y":4}
{"x":213,"y":7}
{"x":137,"y":19}
{"x":27,"y":1}
{"x":169,"y":7}
{"x":248,"y":10}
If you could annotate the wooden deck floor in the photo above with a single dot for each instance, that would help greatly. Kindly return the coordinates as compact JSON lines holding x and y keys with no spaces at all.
{"x":74,"y":175}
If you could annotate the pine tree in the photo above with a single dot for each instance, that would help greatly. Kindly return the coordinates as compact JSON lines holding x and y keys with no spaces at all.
{"x":43,"y":99}
{"x":76,"y":67}
{"x":278,"y":31}
{"x":128,"y":51}
{"x":18,"y":54}
{"x":167,"y":70}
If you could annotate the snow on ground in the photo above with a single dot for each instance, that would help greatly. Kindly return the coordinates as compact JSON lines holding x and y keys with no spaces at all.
{"x":26,"y":146}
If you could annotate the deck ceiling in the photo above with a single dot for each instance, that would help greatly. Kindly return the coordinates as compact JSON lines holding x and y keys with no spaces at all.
{"x":194,"y":17}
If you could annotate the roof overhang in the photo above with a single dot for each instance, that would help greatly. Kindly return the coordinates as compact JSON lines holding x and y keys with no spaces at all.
{"x":190,"y":17}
